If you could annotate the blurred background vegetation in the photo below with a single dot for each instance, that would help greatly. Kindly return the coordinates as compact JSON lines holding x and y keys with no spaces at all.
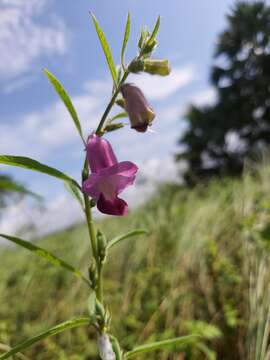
{"x":204,"y":268}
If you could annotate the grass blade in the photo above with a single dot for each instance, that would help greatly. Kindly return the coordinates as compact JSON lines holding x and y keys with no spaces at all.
{"x":48,"y":256}
{"x":34,"y":165}
{"x":66,"y":100}
{"x":117,"y":239}
{"x":50,"y":332}
{"x":125,"y":41}
{"x":179,"y":342}
{"x":106,"y":48}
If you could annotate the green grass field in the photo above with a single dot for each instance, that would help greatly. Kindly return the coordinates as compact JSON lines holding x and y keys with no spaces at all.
{"x":204,"y":269}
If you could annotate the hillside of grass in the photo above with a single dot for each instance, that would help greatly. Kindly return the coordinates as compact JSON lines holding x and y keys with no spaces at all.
{"x":203,"y":268}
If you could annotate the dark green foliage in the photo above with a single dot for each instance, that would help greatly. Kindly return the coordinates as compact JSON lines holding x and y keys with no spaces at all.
{"x":237,"y":126}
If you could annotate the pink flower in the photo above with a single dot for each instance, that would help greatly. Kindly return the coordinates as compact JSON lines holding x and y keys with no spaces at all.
{"x":139,"y":111}
{"x":108,"y":178}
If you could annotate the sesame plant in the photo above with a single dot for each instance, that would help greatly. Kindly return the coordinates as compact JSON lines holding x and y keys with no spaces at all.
{"x":103,"y":178}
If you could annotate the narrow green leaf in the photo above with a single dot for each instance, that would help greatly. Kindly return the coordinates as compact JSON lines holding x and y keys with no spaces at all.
{"x":4,"y":347}
{"x":50,"y":332}
{"x":118,"y":116}
{"x":106,"y":48}
{"x":48,"y":256}
{"x":66,"y":100}
{"x":75,"y":192}
{"x":117,"y":239}
{"x":154,"y":32}
{"x":12,"y":186}
{"x":182,"y":341}
{"x":34,"y":165}
{"x":116,"y":347}
{"x":125,"y":41}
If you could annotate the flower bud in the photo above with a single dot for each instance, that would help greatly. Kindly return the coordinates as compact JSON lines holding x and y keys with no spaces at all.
{"x":144,"y":45}
{"x":101,"y":245}
{"x":151,"y":66}
{"x":140,"y":113}
{"x":136,"y":66}
{"x":120,"y":102}
{"x":92,"y":275}
{"x":105,"y":347}
{"x":150,"y":47}
{"x":156,"y":67}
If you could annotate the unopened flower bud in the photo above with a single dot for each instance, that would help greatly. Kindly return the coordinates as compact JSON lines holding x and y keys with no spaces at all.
{"x":93,"y":275}
{"x":120,"y":102}
{"x":136,"y":66}
{"x":144,"y":45}
{"x":150,"y":47}
{"x":156,"y":67}
{"x":142,"y":39}
{"x":101,"y":315}
{"x":101,"y":244}
{"x":105,"y":347}
{"x":140,"y":113}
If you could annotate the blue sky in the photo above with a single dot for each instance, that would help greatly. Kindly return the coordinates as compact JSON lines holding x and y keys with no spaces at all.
{"x":59,"y":35}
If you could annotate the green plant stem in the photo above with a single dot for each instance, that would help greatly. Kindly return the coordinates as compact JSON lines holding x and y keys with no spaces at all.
{"x":92,"y":235}
{"x":88,"y":212}
{"x":100,"y":284}
{"x":91,"y":226}
{"x":111,"y":103}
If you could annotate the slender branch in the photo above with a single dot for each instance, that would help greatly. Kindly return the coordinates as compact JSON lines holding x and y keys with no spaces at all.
{"x":111,"y":103}
{"x":100,"y":284}
{"x":90,"y":225}
{"x":88,"y":213}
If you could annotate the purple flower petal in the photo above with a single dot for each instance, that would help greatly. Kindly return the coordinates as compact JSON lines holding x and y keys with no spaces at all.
{"x":108,"y":178}
{"x":100,"y":154}
{"x":116,"y":207}
{"x":105,"y":185}
{"x":110,"y":181}
{"x":140,"y":113}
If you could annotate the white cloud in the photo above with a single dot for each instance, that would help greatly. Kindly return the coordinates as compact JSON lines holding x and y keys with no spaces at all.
{"x":205,"y":97}
{"x":42,"y":132}
{"x":17,"y":84}
{"x":23,"y":39}
{"x":60,"y":212}
{"x":159,"y":88}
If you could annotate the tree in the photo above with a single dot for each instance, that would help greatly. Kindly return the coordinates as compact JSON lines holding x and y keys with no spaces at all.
{"x":221,"y":136}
